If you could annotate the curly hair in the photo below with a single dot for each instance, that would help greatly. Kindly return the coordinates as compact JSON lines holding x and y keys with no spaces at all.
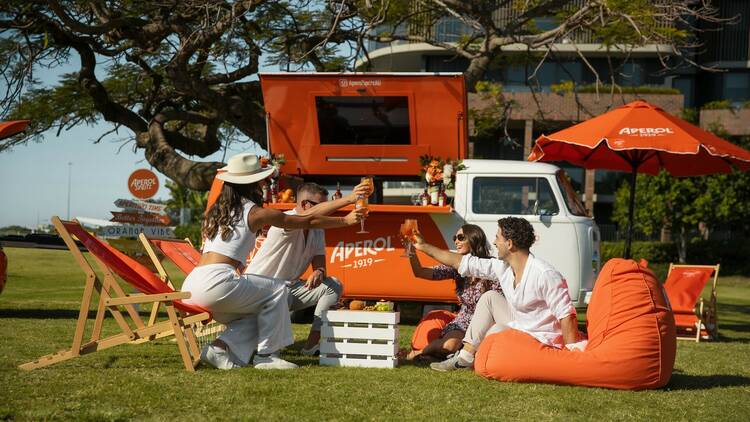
{"x":226,"y":212}
{"x":518,"y":230}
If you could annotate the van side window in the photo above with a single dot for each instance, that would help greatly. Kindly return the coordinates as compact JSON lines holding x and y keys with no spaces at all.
{"x":513,"y":195}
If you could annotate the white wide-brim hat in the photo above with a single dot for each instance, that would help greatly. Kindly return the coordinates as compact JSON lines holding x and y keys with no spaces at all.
{"x":244,"y":169}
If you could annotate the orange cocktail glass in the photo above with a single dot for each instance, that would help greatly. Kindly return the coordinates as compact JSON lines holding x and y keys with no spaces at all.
{"x":362,"y":202}
{"x":403,"y":234}
{"x":407,"y":231}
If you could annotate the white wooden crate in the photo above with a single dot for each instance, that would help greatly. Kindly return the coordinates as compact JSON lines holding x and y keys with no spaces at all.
{"x":359,"y":338}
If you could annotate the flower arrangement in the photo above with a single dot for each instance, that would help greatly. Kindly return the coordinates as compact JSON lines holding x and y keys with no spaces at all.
{"x":276,"y":161}
{"x":436,"y":170}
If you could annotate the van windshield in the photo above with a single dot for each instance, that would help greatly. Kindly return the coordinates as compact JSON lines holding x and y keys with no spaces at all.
{"x":513,"y":195}
{"x":571,"y":197}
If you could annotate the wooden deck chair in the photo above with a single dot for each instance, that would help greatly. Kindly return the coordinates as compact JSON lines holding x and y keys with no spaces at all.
{"x":182,"y":253}
{"x":113,"y":298}
{"x":695,"y":319}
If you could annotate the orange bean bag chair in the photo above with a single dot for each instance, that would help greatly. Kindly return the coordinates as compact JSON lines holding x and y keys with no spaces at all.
{"x":430,"y":328}
{"x":631,"y":333}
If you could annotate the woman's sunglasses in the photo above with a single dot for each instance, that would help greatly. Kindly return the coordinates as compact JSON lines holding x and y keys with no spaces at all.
{"x":460,"y":237}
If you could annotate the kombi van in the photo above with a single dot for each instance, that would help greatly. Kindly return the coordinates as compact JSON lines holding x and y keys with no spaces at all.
{"x":337,"y":127}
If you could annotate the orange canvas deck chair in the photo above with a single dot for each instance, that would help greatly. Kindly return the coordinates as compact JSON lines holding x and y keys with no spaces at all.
{"x":112,"y":297}
{"x":182,"y":253}
{"x":695,"y":319}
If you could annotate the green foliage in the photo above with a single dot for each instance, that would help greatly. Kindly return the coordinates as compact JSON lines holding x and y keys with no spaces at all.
{"x":691,"y":115}
{"x":659,"y":252}
{"x":643,"y":89}
{"x":567,"y":87}
{"x":489,"y":120}
{"x":564,"y":87}
{"x":182,"y":197}
{"x":717,"y":105}
{"x":189,"y":231}
{"x":14,"y":230}
{"x":195,"y":201}
{"x":612,"y":30}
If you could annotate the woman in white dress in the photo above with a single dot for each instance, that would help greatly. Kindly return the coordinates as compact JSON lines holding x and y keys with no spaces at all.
{"x":253,"y":307}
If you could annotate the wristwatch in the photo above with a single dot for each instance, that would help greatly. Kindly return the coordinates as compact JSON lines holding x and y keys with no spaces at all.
{"x":322,"y":270}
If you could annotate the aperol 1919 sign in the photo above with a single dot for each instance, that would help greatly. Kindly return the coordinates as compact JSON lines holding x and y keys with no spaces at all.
{"x":143,"y":184}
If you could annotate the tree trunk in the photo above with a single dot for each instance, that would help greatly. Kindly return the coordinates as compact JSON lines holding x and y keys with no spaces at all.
{"x":666,"y":234}
{"x":475,"y":72}
{"x":682,"y":247}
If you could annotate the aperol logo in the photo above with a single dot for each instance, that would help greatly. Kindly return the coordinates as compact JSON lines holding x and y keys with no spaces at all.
{"x":344,"y":83}
{"x":360,"y":249}
{"x":646,"y":131}
{"x":143,"y":184}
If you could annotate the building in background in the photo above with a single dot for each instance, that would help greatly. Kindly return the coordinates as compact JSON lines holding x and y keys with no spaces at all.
{"x":723,"y":98}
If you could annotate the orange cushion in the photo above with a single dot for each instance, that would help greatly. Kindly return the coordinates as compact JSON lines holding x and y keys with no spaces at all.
{"x":631,"y":334}
{"x":430,"y":328}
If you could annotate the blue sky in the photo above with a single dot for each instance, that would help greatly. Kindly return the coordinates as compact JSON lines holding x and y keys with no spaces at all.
{"x":34,"y":177}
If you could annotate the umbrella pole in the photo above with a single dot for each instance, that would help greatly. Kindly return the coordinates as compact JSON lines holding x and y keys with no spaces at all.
{"x":629,"y":235}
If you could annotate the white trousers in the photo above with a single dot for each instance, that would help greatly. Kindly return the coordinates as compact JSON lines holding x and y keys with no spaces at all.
{"x":254,"y":308}
{"x":492,"y":314}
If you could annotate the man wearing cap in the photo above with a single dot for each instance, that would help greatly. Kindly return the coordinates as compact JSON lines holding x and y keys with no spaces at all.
{"x":286,"y":255}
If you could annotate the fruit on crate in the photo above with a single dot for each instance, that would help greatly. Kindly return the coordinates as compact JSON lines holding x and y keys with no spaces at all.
{"x":384,"y":306}
{"x":357,"y":305}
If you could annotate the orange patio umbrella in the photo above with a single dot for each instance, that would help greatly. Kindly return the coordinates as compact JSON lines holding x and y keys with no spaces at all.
{"x":641,"y":137}
{"x":8,"y":129}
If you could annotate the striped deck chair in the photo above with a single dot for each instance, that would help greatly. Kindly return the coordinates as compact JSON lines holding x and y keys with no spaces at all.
{"x":112,"y":298}
{"x":684,"y":285}
{"x":182,"y":253}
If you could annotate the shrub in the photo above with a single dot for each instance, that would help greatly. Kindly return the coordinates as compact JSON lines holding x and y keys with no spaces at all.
{"x":650,"y":251}
{"x":717,"y":105}
{"x":643,"y":89}
{"x":190,"y":231}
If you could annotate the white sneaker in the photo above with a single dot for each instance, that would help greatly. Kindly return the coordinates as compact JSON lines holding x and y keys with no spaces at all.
{"x":272,"y":362}
{"x":315,"y":350}
{"x":217,"y":357}
{"x":452,"y":363}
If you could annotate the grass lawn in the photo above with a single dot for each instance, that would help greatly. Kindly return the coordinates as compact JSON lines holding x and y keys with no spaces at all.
{"x":711,"y":380}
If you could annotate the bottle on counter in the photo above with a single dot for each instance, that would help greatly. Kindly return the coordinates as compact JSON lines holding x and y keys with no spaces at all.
{"x":274,"y":192}
{"x":442,"y":197}
{"x":337,"y":195}
{"x":425,"y":198}
{"x":266,"y":194}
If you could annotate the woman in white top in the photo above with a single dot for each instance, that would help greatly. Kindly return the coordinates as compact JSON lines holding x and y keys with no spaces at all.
{"x":253,"y":307}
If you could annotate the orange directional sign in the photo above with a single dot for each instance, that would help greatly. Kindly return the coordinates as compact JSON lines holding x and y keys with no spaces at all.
{"x":134,"y":204}
{"x":143,"y":184}
{"x":139,"y":218}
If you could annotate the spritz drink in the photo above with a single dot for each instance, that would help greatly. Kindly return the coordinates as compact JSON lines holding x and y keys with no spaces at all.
{"x":407,"y":231}
{"x":362,"y":202}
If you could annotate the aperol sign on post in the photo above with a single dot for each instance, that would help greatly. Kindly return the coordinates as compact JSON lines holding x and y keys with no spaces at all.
{"x":143,"y":183}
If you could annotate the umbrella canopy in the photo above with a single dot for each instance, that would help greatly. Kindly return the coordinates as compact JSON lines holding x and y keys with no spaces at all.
{"x":8,"y":129}
{"x":641,"y":137}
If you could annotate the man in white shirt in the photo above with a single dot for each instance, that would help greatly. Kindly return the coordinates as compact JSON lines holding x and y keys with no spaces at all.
{"x":286,"y":255}
{"x":535,"y":296}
